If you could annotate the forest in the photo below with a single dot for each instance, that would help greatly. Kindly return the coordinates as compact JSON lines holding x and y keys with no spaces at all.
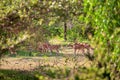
{"x":59,"y":39}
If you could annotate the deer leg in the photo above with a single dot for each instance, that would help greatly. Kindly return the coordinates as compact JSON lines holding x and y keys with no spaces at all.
{"x":75,"y":51}
{"x":46,"y":50}
{"x":50,"y":50}
{"x":83,"y":51}
{"x":57,"y":50}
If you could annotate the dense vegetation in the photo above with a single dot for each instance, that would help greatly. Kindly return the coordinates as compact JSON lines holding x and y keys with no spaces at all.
{"x":25,"y":23}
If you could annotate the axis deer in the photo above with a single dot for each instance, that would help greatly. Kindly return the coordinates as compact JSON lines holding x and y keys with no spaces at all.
{"x":88,"y":47}
{"x":54,"y":47}
{"x":78,"y":46}
{"x":45,"y":47}
{"x":82,"y":47}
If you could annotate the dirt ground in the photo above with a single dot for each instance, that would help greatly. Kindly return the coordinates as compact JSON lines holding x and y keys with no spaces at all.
{"x":67,"y":59}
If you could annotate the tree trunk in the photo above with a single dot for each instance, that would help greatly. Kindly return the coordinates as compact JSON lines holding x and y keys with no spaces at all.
{"x":65,"y":31}
{"x":2,"y":52}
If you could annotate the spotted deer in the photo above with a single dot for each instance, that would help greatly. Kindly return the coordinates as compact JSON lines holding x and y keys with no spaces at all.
{"x":46,"y":47}
{"x":77,"y":47}
{"x":81,"y":47}
{"x":54,"y":48}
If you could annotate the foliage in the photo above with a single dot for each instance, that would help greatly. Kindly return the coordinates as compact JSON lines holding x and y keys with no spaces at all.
{"x":21,"y":19}
{"x":14,"y":23}
{"x":104,"y":17}
{"x":31,"y":21}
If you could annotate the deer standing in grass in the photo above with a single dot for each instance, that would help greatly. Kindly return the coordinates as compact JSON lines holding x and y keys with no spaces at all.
{"x":54,"y":47}
{"x":81,"y":47}
{"x":45,"y":47}
{"x":88,"y":47}
{"x":78,"y":46}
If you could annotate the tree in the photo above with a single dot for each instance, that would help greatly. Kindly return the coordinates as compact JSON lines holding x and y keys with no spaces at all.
{"x":19,"y":19}
{"x":15,"y":24}
{"x":104,"y":17}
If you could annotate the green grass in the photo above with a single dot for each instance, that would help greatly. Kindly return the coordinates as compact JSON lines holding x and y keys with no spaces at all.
{"x":58,"y":40}
{"x":21,"y":53}
{"x":16,"y":75}
{"x":27,"y":53}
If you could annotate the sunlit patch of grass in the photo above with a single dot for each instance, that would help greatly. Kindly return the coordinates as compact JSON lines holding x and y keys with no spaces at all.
{"x":58,"y":40}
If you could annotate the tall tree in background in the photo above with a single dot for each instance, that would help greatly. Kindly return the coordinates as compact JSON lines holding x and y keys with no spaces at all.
{"x":66,"y":10}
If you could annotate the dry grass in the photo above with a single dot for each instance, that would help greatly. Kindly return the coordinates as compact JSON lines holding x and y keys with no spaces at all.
{"x":67,"y":59}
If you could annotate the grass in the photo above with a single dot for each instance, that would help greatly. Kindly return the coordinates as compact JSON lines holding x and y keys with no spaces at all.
{"x":21,"y":53}
{"x":16,"y":75}
{"x":58,"y":40}
{"x":49,"y":72}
